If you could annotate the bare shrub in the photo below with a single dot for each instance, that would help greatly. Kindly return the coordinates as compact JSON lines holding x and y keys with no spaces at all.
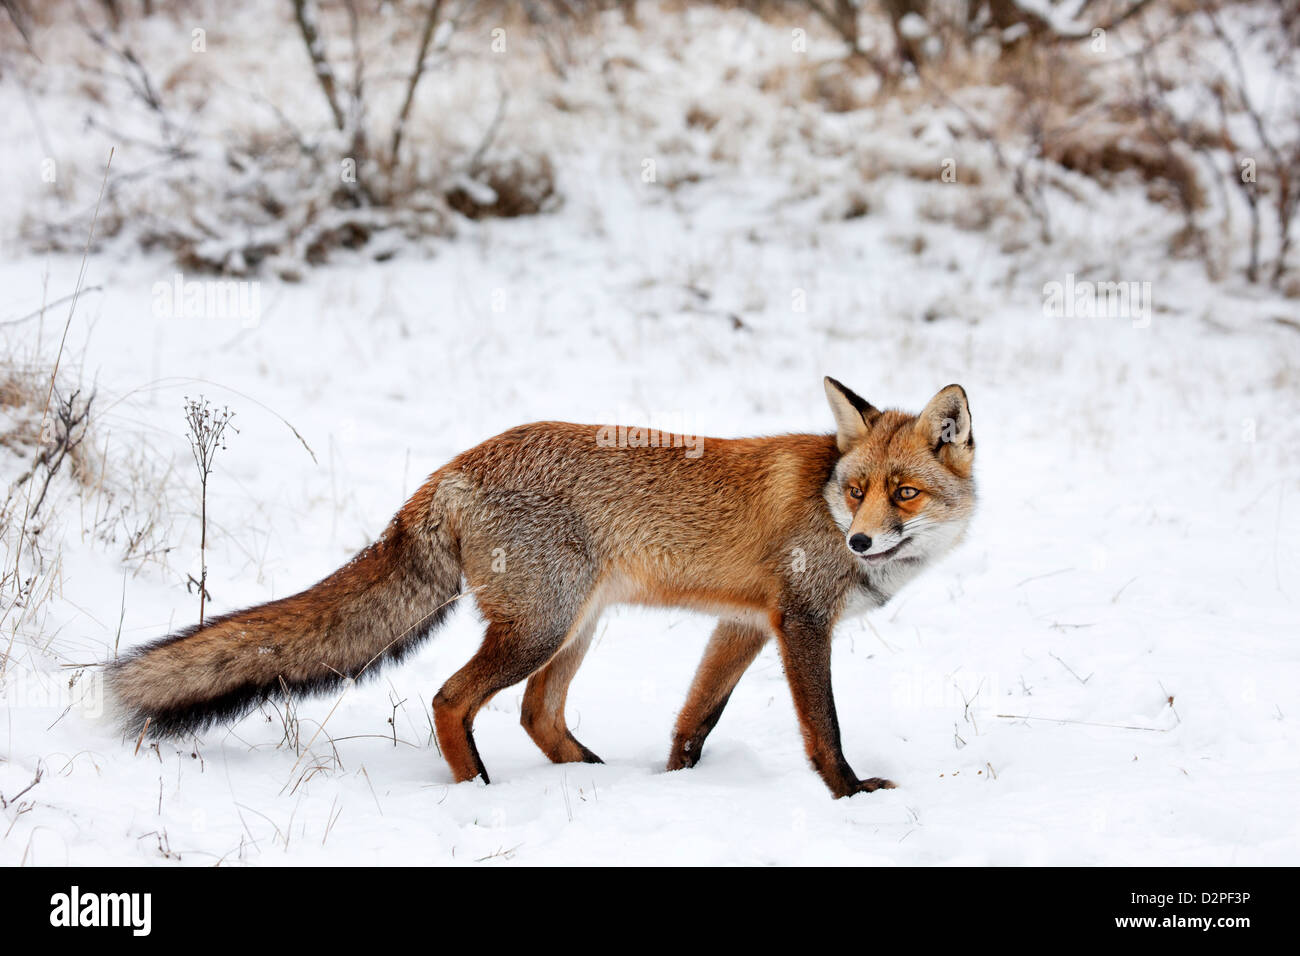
{"x":270,"y":187}
{"x":1152,"y":92}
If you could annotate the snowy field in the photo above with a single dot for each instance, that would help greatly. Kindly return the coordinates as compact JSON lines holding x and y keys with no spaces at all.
{"x":1106,"y":672}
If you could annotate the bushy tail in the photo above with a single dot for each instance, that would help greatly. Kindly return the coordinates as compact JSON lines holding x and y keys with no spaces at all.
{"x":375,"y":608}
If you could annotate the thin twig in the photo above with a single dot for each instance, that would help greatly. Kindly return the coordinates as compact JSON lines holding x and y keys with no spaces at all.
{"x":40,"y":772}
{"x":1081,"y":680}
{"x":1086,"y":723}
{"x":31,"y":315}
{"x":417,"y":71}
{"x":307,"y":16}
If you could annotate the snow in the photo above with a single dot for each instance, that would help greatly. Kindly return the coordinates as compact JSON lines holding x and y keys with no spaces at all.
{"x":1105,"y":673}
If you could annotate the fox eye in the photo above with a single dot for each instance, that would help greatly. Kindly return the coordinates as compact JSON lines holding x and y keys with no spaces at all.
{"x":855,"y":492}
{"x":906,"y":492}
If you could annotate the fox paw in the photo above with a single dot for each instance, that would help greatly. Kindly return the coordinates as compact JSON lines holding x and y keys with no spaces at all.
{"x":685,"y":753}
{"x":875,"y":783}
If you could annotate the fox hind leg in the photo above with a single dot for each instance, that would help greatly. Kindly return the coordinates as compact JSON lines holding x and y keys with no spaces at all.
{"x":731,"y":650}
{"x":510,"y":652}
{"x":542,"y":713}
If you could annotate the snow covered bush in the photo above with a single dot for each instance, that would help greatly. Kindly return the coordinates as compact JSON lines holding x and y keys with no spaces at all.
{"x":350,"y":150}
{"x":385,"y":125}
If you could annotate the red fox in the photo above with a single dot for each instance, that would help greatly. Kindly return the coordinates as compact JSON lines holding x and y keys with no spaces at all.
{"x":547,"y":526}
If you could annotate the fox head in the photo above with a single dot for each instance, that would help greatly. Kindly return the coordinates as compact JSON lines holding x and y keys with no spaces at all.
{"x":902,"y":491}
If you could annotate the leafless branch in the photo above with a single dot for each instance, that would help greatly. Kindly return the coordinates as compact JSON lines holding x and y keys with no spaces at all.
{"x":417,"y":71}
{"x":307,"y":16}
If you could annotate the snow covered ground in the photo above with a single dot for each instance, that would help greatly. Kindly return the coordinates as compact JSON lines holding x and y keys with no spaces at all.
{"x":1106,"y":673}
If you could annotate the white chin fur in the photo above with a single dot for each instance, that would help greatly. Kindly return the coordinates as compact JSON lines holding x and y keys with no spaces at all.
{"x":924,"y":546}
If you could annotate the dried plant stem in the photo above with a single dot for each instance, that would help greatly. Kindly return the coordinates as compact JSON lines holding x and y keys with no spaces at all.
{"x":49,"y":394}
{"x":207,"y":429}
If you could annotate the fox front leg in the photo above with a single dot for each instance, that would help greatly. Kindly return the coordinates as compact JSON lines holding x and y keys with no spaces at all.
{"x":805,"y":644}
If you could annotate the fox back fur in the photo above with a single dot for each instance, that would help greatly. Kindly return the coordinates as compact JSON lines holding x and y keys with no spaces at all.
{"x":780,"y":537}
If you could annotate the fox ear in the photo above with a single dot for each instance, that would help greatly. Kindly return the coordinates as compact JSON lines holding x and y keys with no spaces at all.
{"x":854,"y":415}
{"x":945,"y":427}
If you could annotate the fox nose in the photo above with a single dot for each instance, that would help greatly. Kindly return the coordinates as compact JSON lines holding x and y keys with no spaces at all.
{"x":860,"y":543}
